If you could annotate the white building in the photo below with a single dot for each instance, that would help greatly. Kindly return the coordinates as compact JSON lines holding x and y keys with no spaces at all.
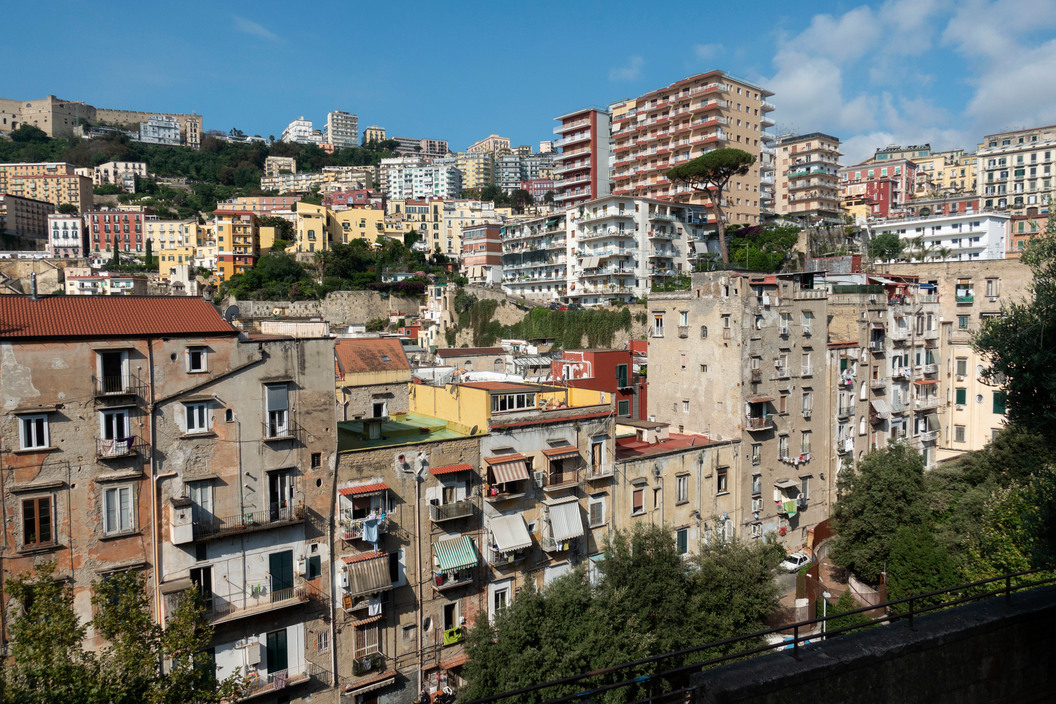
{"x":160,"y":129}
{"x":301,"y":132}
{"x":342,"y":129}
{"x":66,"y":235}
{"x":953,"y":238}
{"x":411,"y":178}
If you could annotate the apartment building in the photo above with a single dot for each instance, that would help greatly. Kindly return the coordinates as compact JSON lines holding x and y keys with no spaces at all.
{"x":459,"y":214}
{"x":83,"y":281}
{"x":682,"y":481}
{"x":611,"y":248}
{"x":742,"y":357}
{"x":373,"y":135}
{"x":491,"y":144}
{"x":967,"y":236}
{"x":945,"y":173}
{"x":509,"y":171}
{"x":411,"y":178}
{"x":274,"y":165}
{"x":120,"y":173}
{"x":164,"y":234}
{"x":943,"y":203}
{"x":807,"y":180}
{"x":116,"y":229}
{"x":546,"y":457}
{"x":885,"y":186}
{"x":478,"y":169}
{"x":301,"y":132}
{"x":259,"y":205}
{"x":581,"y":168}
{"x":361,"y":223}
{"x":53,"y":182}
{"x":160,"y":129}
{"x":612,"y":371}
{"x":315,"y":228}
{"x":66,"y":236}
{"x":1016,"y":170}
{"x":423,"y":216}
{"x":678,"y":123}
{"x":967,"y":293}
{"x":330,"y":178}
{"x":25,"y":219}
{"x":342,"y":129}
{"x":482,"y":254}
{"x":237,"y":241}
{"x":171,"y":259}
{"x":424,"y":148}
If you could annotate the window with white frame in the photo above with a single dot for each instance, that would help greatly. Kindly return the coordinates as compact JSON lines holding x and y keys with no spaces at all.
{"x":33,"y":431}
{"x":805,"y":443}
{"x":114,"y":424}
{"x":658,"y":324}
{"x":277,"y":403}
{"x":682,"y":488}
{"x":596,"y":511}
{"x":118,"y":510}
{"x":196,"y":360}
{"x":197,"y":417}
{"x":638,"y":501}
{"x":683,"y":318}
{"x":721,"y":485}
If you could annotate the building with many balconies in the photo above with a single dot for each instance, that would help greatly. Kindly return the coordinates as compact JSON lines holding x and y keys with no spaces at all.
{"x":807,"y":181}
{"x":967,"y":236}
{"x":1015,"y":170}
{"x":581,"y":168}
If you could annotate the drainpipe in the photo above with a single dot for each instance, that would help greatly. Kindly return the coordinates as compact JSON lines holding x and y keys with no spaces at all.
{"x":418,"y":562}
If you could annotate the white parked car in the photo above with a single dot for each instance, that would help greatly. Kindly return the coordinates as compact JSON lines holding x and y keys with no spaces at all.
{"x":794,"y":562}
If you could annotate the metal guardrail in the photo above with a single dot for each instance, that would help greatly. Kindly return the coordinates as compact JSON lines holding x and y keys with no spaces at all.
{"x":902,"y":609}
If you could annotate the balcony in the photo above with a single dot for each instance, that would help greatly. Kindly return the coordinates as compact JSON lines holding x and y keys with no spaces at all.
{"x":452,"y":580}
{"x":876,"y":345}
{"x":878,"y":383}
{"x":453,"y":635}
{"x":926,"y":403}
{"x":120,"y":385}
{"x":439,"y":513}
{"x":352,"y":528}
{"x":554,"y":481}
{"x":368,"y":664}
{"x":844,"y":412}
{"x":929,"y":436}
{"x":931,"y":335}
{"x":683,"y":331}
{"x":899,"y":335}
{"x":248,"y":522}
{"x":548,"y":544}
{"x":965,"y":299}
{"x":930,"y":368}
{"x":121,"y":448}
{"x":259,"y":600}
{"x":505,"y":559}
{"x":505,"y":492}
{"x":290,"y":677}
{"x":756,"y":375}
{"x":599,"y":472}
{"x":758,"y":423}
{"x":281,"y":432}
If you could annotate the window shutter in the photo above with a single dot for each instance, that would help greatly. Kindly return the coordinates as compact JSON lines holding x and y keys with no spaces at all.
{"x":278,"y":397}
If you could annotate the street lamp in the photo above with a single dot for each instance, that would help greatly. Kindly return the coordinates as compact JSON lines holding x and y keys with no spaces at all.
{"x":825,"y":596}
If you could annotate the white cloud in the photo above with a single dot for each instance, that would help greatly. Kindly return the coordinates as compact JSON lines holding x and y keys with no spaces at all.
{"x":707,"y":52}
{"x":810,"y":91}
{"x":1023,"y":95}
{"x":629,"y":72}
{"x":248,"y":26}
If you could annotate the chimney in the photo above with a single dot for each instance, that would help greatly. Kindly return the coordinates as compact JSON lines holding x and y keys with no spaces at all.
{"x":33,"y":287}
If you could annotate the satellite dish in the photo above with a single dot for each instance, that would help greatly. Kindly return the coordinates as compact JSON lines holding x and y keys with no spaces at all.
{"x":473,"y":430}
{"x":231,"y":313}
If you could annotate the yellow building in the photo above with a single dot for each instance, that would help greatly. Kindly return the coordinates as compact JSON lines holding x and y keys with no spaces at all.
{"x":170,"y":257}
{"x":360,"y":224}
{"x":314,"y":228}
{"x":423,"y":216}
{"x":52,"y":182}
{"x":172,"y":233}
{"x":237,"y":242}
{"x":478,"y":169}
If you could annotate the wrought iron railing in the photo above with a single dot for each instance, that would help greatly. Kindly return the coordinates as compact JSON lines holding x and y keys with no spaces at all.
{"x":247,"y":521}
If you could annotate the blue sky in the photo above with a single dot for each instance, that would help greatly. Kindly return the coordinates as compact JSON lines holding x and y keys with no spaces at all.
{"x":902,"y":71}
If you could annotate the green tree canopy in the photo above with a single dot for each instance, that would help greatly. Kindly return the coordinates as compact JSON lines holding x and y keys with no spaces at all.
{"x":885,"y":246}
{"x":885,"y":493}
{"x":710,"y":173}
{"x":67,"y":209}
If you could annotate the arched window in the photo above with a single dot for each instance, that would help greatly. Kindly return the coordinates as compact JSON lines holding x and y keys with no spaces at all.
{"x":703,"y":331}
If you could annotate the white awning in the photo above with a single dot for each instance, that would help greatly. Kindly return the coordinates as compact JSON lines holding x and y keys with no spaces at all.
{"x":786,"y":484}
{"x":510,"y":533}
{"x":565,"y":520}
{"x":880,"y":406}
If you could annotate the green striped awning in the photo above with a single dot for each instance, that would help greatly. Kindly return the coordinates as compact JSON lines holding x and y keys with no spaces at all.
{"x":454,"y":555}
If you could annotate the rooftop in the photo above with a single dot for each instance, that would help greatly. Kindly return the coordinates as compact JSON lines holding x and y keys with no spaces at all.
{"x":468,"y":351}
{"x":632,"y":448}
{"x":362,"y":355}
{"x":65,"y":317}
{"x":398,"y":429}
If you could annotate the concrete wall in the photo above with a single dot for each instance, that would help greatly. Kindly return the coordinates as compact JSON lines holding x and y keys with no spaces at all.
{"x":341,"y":308}
{"x":984,"y":652}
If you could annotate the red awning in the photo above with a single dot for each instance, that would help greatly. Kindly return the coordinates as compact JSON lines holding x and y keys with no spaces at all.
{"x":363,"y":489}
{"x":508,"y":468}
{"x":925,"y":382}
{"x":451,"y":469}
{"x":559,"y":452}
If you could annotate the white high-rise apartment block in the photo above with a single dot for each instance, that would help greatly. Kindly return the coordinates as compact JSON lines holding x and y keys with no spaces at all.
{"x":410,"y":178}
{"x":301,"y":132}
{"x":342,"y":129}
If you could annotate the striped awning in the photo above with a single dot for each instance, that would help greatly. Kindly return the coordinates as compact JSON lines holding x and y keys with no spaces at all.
{"x":565,"y":520}
{"x":368,"y":576}
{"x":510,"y":533}
{"x":880,"y":406}
{"x":454,"y":555}
{"x":556,"y":453}
{"x":508,"y":468}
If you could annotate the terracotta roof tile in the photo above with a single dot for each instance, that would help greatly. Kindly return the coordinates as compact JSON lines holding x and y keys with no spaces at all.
{"x":108,"y":316}
{"x":451,"y":468}
{"x":363,"y":489}
{"x":371,"y":354}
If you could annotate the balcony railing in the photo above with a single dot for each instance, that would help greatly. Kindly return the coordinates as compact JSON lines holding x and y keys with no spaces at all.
{"x":352,"y":528}
{"x":120,"y":385}
{"x":683,"y":331}
{"x":926,"y":403}
{"x":369,"y":664}
{"x":758,"y":422}
{"x":876,"y":345}
{"x":929,"y":436}
{"x":965,"y":299}
{"x":844,"y":412}
{"x":560,"y":480}
{"x":438,"y":513}
{"x":123,"y":447}
{"x":548,"y":544}
{"x":596,"y":472}
{"x":443,"y":582}
{"x":234,"y":606}
{"x":274,"y":432}
{"x":248,"y":521}
{"x":930,"y":368}
{"x":503,"y":559}
{"x":282,"y":679}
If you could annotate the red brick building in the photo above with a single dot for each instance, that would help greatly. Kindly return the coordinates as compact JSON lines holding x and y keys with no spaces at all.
{"x":115,"y":229}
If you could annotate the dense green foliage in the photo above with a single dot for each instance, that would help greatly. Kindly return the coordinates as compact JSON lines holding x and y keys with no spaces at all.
{"x":647,"y":600}
{"x":570,"y":329}
{"x":884,"y":247}
{"x":50,"y":664}
{"x":762,"y":248}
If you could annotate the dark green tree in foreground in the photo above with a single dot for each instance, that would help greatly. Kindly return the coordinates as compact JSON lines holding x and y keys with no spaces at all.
{"x":885,"y":247}
{"x":710,"y":173}
{"x":646,"y":600}
{"x":885,"y":493}
{"x":50,"y":665}
{"x":67,"y":209}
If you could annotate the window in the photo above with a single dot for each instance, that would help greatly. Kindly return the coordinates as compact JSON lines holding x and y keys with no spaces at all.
{"x":277,"y":401}
{"x":958,"y":433}
{"x":808,"y":321}
{"x":685,"y":406}
{"x":201,"y":496}
{"x":720,"y":481}
{"x":804,"y":487}
{"x":962,"y":322}
{"x":682,"y":488}
{"x":962,"y":366}
{"x":196,"y":359}
{"x":999,"y":402}
{"x":658,"y":324}
{"x":366,"y":640}
{"x":198,"y":417}
{"x":317,"y":460}
{"x":34,"y":431}
{"x":313,"y":567}
{"x":682,"y":540}
{"x":500,"y":599}
{"x":596,"y":511}
{"x":703,"y":331}
{"x":961,"y":396}
{"x":36,"y":522}
{"x":623,"y":408}
{"x":621,"y":376}
{"x":114,"y":424}
{"x":805,"y":443}
{"x":638,"y":501}
{"x":757,"y":483}
{"x":118,"y":512}
{"x":757,"y":453}
{"x":378,"y":409}
{"x":782,"y":446}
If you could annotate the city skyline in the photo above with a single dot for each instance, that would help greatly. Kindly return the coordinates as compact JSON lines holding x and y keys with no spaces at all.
{"x":871,"y":74}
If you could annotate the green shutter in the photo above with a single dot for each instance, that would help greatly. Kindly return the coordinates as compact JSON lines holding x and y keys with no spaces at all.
{"x":999,"y":402}
{"x":962,"y":396}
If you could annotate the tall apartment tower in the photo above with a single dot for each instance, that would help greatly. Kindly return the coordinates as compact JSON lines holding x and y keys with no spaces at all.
{"x":581,"y":170}
{"x":672,"y":125}
{"x":808,"y":180}
{"x":342,"y":129}
{"x":1015,"y":170}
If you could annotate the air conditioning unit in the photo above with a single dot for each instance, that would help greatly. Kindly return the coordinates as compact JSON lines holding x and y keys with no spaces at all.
{"x":539,"y":478}
{"x":783,"y":331}
{"x":343,"y":579}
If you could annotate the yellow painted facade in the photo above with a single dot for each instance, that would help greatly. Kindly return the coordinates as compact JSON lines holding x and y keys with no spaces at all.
{"x":170,"y":257}
{"x":359,"y":224}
